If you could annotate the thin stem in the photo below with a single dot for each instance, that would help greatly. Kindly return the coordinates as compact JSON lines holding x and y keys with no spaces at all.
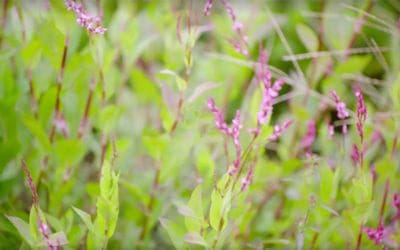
{"x":150,"y":205}
{"x":382,"y":211}
{"x":83,"y":124}
{"x":359,"y":238}
{"x":4,"y":19}
{"x":60,"y":79}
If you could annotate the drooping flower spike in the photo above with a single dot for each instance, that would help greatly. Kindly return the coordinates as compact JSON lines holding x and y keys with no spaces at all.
{"x":342,"y":112}
{"x":92,"y":23}
{"x":233,"y":132}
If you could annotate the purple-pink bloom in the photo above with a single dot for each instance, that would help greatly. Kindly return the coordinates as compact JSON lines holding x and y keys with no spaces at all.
{"x":331,"y":131}
{"x":92,"y":23}
{"x":376,"y":235}
{"x":235,"y":133}
{"x":268,"y":98}
{"x":309,"y":138}
{"x":208,"y":7}
{"x":361,"y":112}
{"x":396,"y":204}
{"x":279,"y":130}
{"x":61,"y":125}
{"x":342,"y":112}
{"x":219,"y":117}
{"x":246,"y":181}
{"x":355,"y":154}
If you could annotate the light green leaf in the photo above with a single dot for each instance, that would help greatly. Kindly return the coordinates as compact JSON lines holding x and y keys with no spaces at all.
{"x":175,"y":232}
{"x":85,"y":218}
{"x":180,"y":82}
{"x":195,"y":238}
{"x":23,"y":229}
{"x":308,"y":37}
{"x":194,"y":224}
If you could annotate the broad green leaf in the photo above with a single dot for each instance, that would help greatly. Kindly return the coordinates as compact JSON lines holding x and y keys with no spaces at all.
{"x":175,"y":232}
{"x":109,"y":117}
{"x":23,"y":229}
{"x":308,"y":37}
{"x":85,"y":218}
{"x":354,"y":64}
{"x":180,"y":82}
{"x":37,"y":131}
{"x":195,"y":238}
{"x":196,"y":205}
{"x":75,"y":148}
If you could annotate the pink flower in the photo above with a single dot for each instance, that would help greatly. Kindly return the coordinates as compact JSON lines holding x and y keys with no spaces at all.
{"x":233,"y":131}
{"x":247,"y":180}
{"x":309,"y":138}
{"x":342,"y":112}
{"x":331,"y":131}
{"x":361,"y":112}
{"x":93,"y":24}
{"x":396,"y":204}
{"x":268,"y":98}
{"x":279,"y":130}
{"x":376,"y":235}
{"x":61,"y":125}
{"x":208,"y":7}
{"x":219,"y":117}
{"x":355,"y":154}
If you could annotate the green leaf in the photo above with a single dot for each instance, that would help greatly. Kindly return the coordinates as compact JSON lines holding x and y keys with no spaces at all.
{"x":85,"y":218}
{"x":76,"y":150}
{"x":23,"y":229}
{"x":175,"y":232}
{"x":307,"y":37}
{"x":37,"y":131}
{"x":109,"y":117}
{"x":195,"y":239}
{"x":180,"y":82}
{"x":194,"y":224}
{"x":354,"y":64}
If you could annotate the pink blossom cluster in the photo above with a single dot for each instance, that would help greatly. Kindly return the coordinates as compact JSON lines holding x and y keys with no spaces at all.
{"x":208,"y":7}
{"x":233,"y":131}
{"x":342,"y":112}
{"x":270,"y":92}
{"x":377,"y":234}
{"x":279,"y":130}
{"x":246,"y":181}
{"x":309,"y":138}
{"x":396,"y":204}
{"x":92,"y":23}
{"x":239,"y":44}
{"x":331,"y":131}
{"x":361,"y":112}
{"x":355,"y":155}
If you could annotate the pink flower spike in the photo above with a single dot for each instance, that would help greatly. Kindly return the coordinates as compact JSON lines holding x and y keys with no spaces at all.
{"x":279,"y":130}
{"x":208,"y":7}
{"x":376,"y":235}
{"x":93,"y":24}
{"x":235,"y":133}
{"x":219,"y":118}
{"x":331,"y":131}
{"x":355,"y":155}
{"x":342,"y":112}
{"x":247,"y":180}
{"x":361,"y":112}
{"x":396,"y":204}
{"x":309,"y":138}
